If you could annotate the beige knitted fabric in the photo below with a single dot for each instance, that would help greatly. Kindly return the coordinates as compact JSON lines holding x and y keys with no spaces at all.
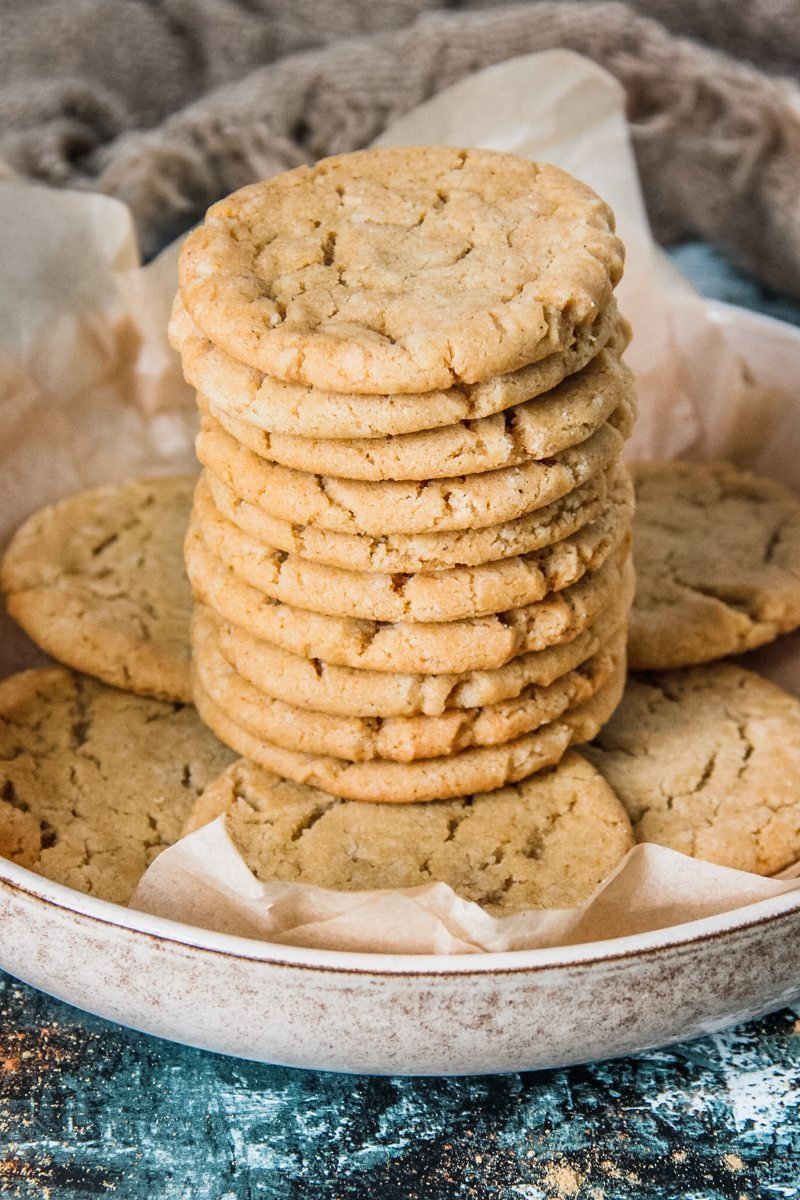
{"x":220,"y":92}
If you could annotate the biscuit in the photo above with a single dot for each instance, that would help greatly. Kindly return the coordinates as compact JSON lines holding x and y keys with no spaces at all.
{"x":400,"y":739}
{"x":717,"y":553}
{"x":361,"y":507}
{"x":95,"y":782}
{"x":547,"y":842}
{"x":418,"y":551}
{"x":341,"y":691}
{"x":479,"y":643}
{"x":449,"y":595}
{"x":291,"y":408}
{"x":707,"y":761}
{"x":481,"y":768}
{"x":540,"y":428}
{"x":401,"y":269}
{"x":97,"y":581}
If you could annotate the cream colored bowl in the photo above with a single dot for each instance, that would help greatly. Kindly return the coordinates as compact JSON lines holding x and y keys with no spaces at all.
{"x":414,"y":1015}
{"x":429,"y":1015}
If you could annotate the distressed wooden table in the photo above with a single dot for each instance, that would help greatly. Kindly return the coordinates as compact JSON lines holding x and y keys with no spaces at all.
{"x":88,"y":1109}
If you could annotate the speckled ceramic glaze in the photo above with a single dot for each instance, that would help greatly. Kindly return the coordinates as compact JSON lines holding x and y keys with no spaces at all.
{"x":404,"y":1015}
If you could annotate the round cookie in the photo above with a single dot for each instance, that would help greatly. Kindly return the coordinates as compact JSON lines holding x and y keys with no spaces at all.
{"x":538,"y":429}
{"x":717,"y":554}
{"x":400,"y":739}
{"x":547,"y":842}
{"x":707,"y":761}
{"x":291,"y":408}
{"x":400,"y":552}
{"x":481,"y":768}
{"x":321,"y":687}
{"x":448,"y":595}
{"x":479,"y":643}
{"x":401,"y":269}
{"x":376,"y":509}
{"x":97,"y":581}
{"x":95,"y":782}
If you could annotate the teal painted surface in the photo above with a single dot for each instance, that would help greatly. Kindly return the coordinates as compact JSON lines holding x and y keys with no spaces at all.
{"x":88,"y":1109}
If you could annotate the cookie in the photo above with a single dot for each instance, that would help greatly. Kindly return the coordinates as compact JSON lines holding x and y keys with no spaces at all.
{"x":707,"y":761}
{"x":538,"y":429}
{"x":376,"y":509}
{"x":434,"y":648}
{"x":417,"y":551}
{"x":97,"y":581}
{"x":321,"y":687}
{"x":400,"y":739}
{"x":401,"y":269}
{"x":717,"y":554}
{"x":480,"y":768}
{"x":449,"y":595}
{"x":291,"y":408}
{"x":95,"y":782}
{"x":547,"y":842}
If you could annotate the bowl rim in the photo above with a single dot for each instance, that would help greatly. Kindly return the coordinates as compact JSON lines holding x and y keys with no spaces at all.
{"x":27,"y":885}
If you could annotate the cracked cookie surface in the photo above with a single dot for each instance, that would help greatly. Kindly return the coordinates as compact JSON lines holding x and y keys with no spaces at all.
{"x":95,"y":782}
{"x":478,"y":768}
{"x":566,"y":416}
{"x":360,"y":506}
{"x":418,"y":551}
{"x":290,"y":408}
{"x":321,"y":687}
{"x":447,"y":595}
{"x":97,"y":581}
{"x":717,"y":555}
{"x":401,"y":269}
{"x":547,"y":842}
{"x":399,"y":738}
{"x":479,"y":643}
{"x":707,"y":761}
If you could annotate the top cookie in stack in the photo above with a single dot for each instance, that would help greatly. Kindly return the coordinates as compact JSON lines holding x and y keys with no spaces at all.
{"x":411,"y":538}
{"x":401,"y":270}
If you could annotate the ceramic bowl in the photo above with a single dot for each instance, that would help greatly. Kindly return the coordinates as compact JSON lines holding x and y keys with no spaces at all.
{"x":332,"y":1010}
{"x":381,"y":1014}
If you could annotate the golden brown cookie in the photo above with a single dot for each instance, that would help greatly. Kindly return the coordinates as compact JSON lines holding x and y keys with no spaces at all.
{"x":401,"y":269}
{"x":547,"y":842}
{"x":97,"y":581}
{"x":95,"y":782}
{"x":291,"y":408}
{"x":537,"y":429}
{"x":349,"y":691}
{"x":717,"y":553}
{"x":361,"y":507}
{"x":707,"y":761}
{"x":418,"y":551}
{"x":448,"y":595}
{"x":481,"y":768}
{"x":400,"y":739}
{"x":441,"y":647}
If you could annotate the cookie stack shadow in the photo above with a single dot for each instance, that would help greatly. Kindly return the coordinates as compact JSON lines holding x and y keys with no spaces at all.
{"x":408,"y":593}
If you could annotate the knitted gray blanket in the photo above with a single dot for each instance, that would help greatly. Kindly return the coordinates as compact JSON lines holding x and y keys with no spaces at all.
{"x":169,"y":104}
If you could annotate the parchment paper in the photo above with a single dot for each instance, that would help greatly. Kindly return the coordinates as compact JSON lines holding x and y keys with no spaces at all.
{"x":90,"y":393}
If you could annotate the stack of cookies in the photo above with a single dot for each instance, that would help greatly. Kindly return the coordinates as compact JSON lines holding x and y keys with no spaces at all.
{"x":410,"y":543}
{"x":410,"y":556}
